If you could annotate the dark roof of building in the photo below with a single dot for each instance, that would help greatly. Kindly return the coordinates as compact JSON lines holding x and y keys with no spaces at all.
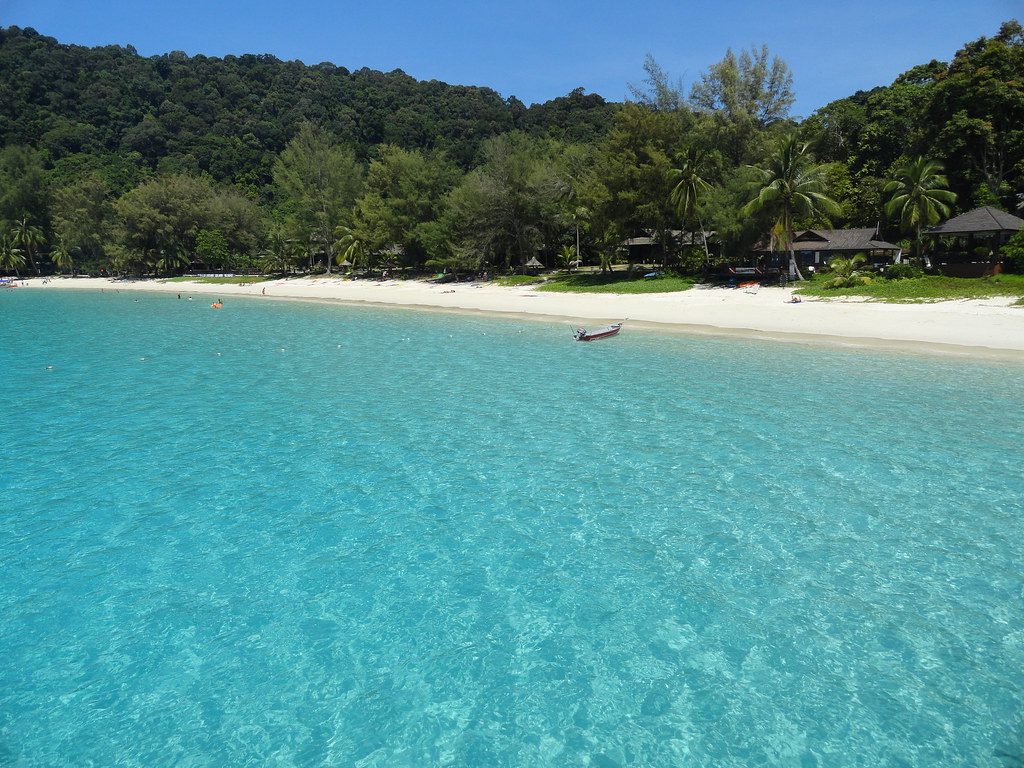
{"x":863,"y":239}
{"x":680,"y":236}
{"x":645,"y":240}
{"x":985,"y":220}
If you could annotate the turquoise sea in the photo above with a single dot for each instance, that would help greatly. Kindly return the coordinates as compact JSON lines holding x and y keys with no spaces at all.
{"x":296,"y":534}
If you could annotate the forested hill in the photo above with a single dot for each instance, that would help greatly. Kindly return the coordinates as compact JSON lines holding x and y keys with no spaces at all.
{"x":111,"y":110}
{"x":968,"y":114}
{"x":122,"y":163}
{"x":231,"y":117}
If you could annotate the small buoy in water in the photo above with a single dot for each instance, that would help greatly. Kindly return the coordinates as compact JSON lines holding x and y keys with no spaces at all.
{"x":218,"y":354}
{"x":281,"y":349}
{"x":49,"y":367}
{"x":142,"y":359}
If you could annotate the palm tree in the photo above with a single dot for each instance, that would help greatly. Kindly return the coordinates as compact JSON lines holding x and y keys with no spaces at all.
{"x":580,"y":218}
{"x":567,"y":256}
{"x":791,"y":186}
{"x":919,"y":196}
{"x":62,"y":258}
{"x":280,"y":252}
{"x":349,"y":246}
{"x":10,"y":255}
{"x":845,"y":273}
{"x":170,"y":259}
{"x":688,"y":188}
{"x":29,"y":237}
{"x":608,"y":248}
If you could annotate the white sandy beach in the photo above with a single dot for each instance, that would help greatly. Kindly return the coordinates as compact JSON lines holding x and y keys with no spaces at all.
{"x":976,"y":328}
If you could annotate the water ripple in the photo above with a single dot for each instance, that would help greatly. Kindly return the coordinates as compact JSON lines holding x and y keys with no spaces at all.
{"x":490,"y":546}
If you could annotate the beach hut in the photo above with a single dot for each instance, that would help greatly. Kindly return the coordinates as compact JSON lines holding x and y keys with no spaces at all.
{"x":969,"y":245}
{"x":533,"y":264}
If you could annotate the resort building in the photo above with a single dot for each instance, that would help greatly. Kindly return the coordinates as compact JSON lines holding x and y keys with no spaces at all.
{"x":817,"y":247}
{"x":650,"y":246}
{"x":969,"y":245}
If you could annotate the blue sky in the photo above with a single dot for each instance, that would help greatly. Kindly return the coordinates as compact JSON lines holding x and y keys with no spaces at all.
{"x":538,"y":50}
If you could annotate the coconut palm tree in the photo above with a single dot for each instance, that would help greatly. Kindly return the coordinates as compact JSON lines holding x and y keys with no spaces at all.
{"x":688,"y":187}
{"x":29,"y":237}
{"x":919,"y":197}
{"x":581,"y":220}
{"x":350,"y":246}
{"x":280,"y":253}
{"x":791,"y":186}
{"x":567,"y":256}
{"x":170,"y":259}
{"x":62,"y":258}
{"x":845,"y":273}
{"x":10,"y":255}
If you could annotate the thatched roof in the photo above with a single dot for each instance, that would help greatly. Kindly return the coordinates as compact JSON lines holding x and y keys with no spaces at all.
{"x":534,"y":263}
{"x":981,"y":221}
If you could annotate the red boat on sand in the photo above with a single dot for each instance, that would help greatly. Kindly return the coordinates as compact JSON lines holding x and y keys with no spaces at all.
{"x":582,"y":334}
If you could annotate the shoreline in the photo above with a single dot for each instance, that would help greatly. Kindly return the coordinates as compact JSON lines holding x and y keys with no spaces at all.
{"x":975,"y":329}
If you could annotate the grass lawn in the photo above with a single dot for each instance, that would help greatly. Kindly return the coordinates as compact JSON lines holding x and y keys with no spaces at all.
{"x":218,"y":280}
{"x":514,"y":280}
{"x":924,"y":289}
{"x":616,"y":283}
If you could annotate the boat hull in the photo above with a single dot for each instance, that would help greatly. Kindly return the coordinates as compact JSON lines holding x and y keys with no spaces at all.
{"x":601,"y":333}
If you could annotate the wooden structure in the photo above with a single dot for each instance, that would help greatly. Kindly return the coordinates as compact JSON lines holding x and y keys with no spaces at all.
{"x":649,"y":246}
{"x":817,"y":247}
{"x":532,"y":265}
{"x":969,"y":245}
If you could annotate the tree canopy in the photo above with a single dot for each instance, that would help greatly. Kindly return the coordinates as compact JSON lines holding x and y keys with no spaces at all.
{"x":114,"y":161}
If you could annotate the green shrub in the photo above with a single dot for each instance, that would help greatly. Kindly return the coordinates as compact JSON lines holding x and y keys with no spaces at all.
{"x":1013,"y":253}
{"x":903,"y":271}
{"x":845,"y":273}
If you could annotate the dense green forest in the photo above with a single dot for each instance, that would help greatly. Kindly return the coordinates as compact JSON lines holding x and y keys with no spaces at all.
{"x":116,"y":162}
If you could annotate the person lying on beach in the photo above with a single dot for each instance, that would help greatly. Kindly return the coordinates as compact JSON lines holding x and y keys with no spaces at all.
{"x":794,"y":300}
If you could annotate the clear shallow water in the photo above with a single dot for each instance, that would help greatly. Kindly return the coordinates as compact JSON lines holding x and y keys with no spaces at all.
{"x":375,"y":538}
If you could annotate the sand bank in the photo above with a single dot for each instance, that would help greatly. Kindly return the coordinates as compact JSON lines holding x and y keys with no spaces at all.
{"x":977,"y":328}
